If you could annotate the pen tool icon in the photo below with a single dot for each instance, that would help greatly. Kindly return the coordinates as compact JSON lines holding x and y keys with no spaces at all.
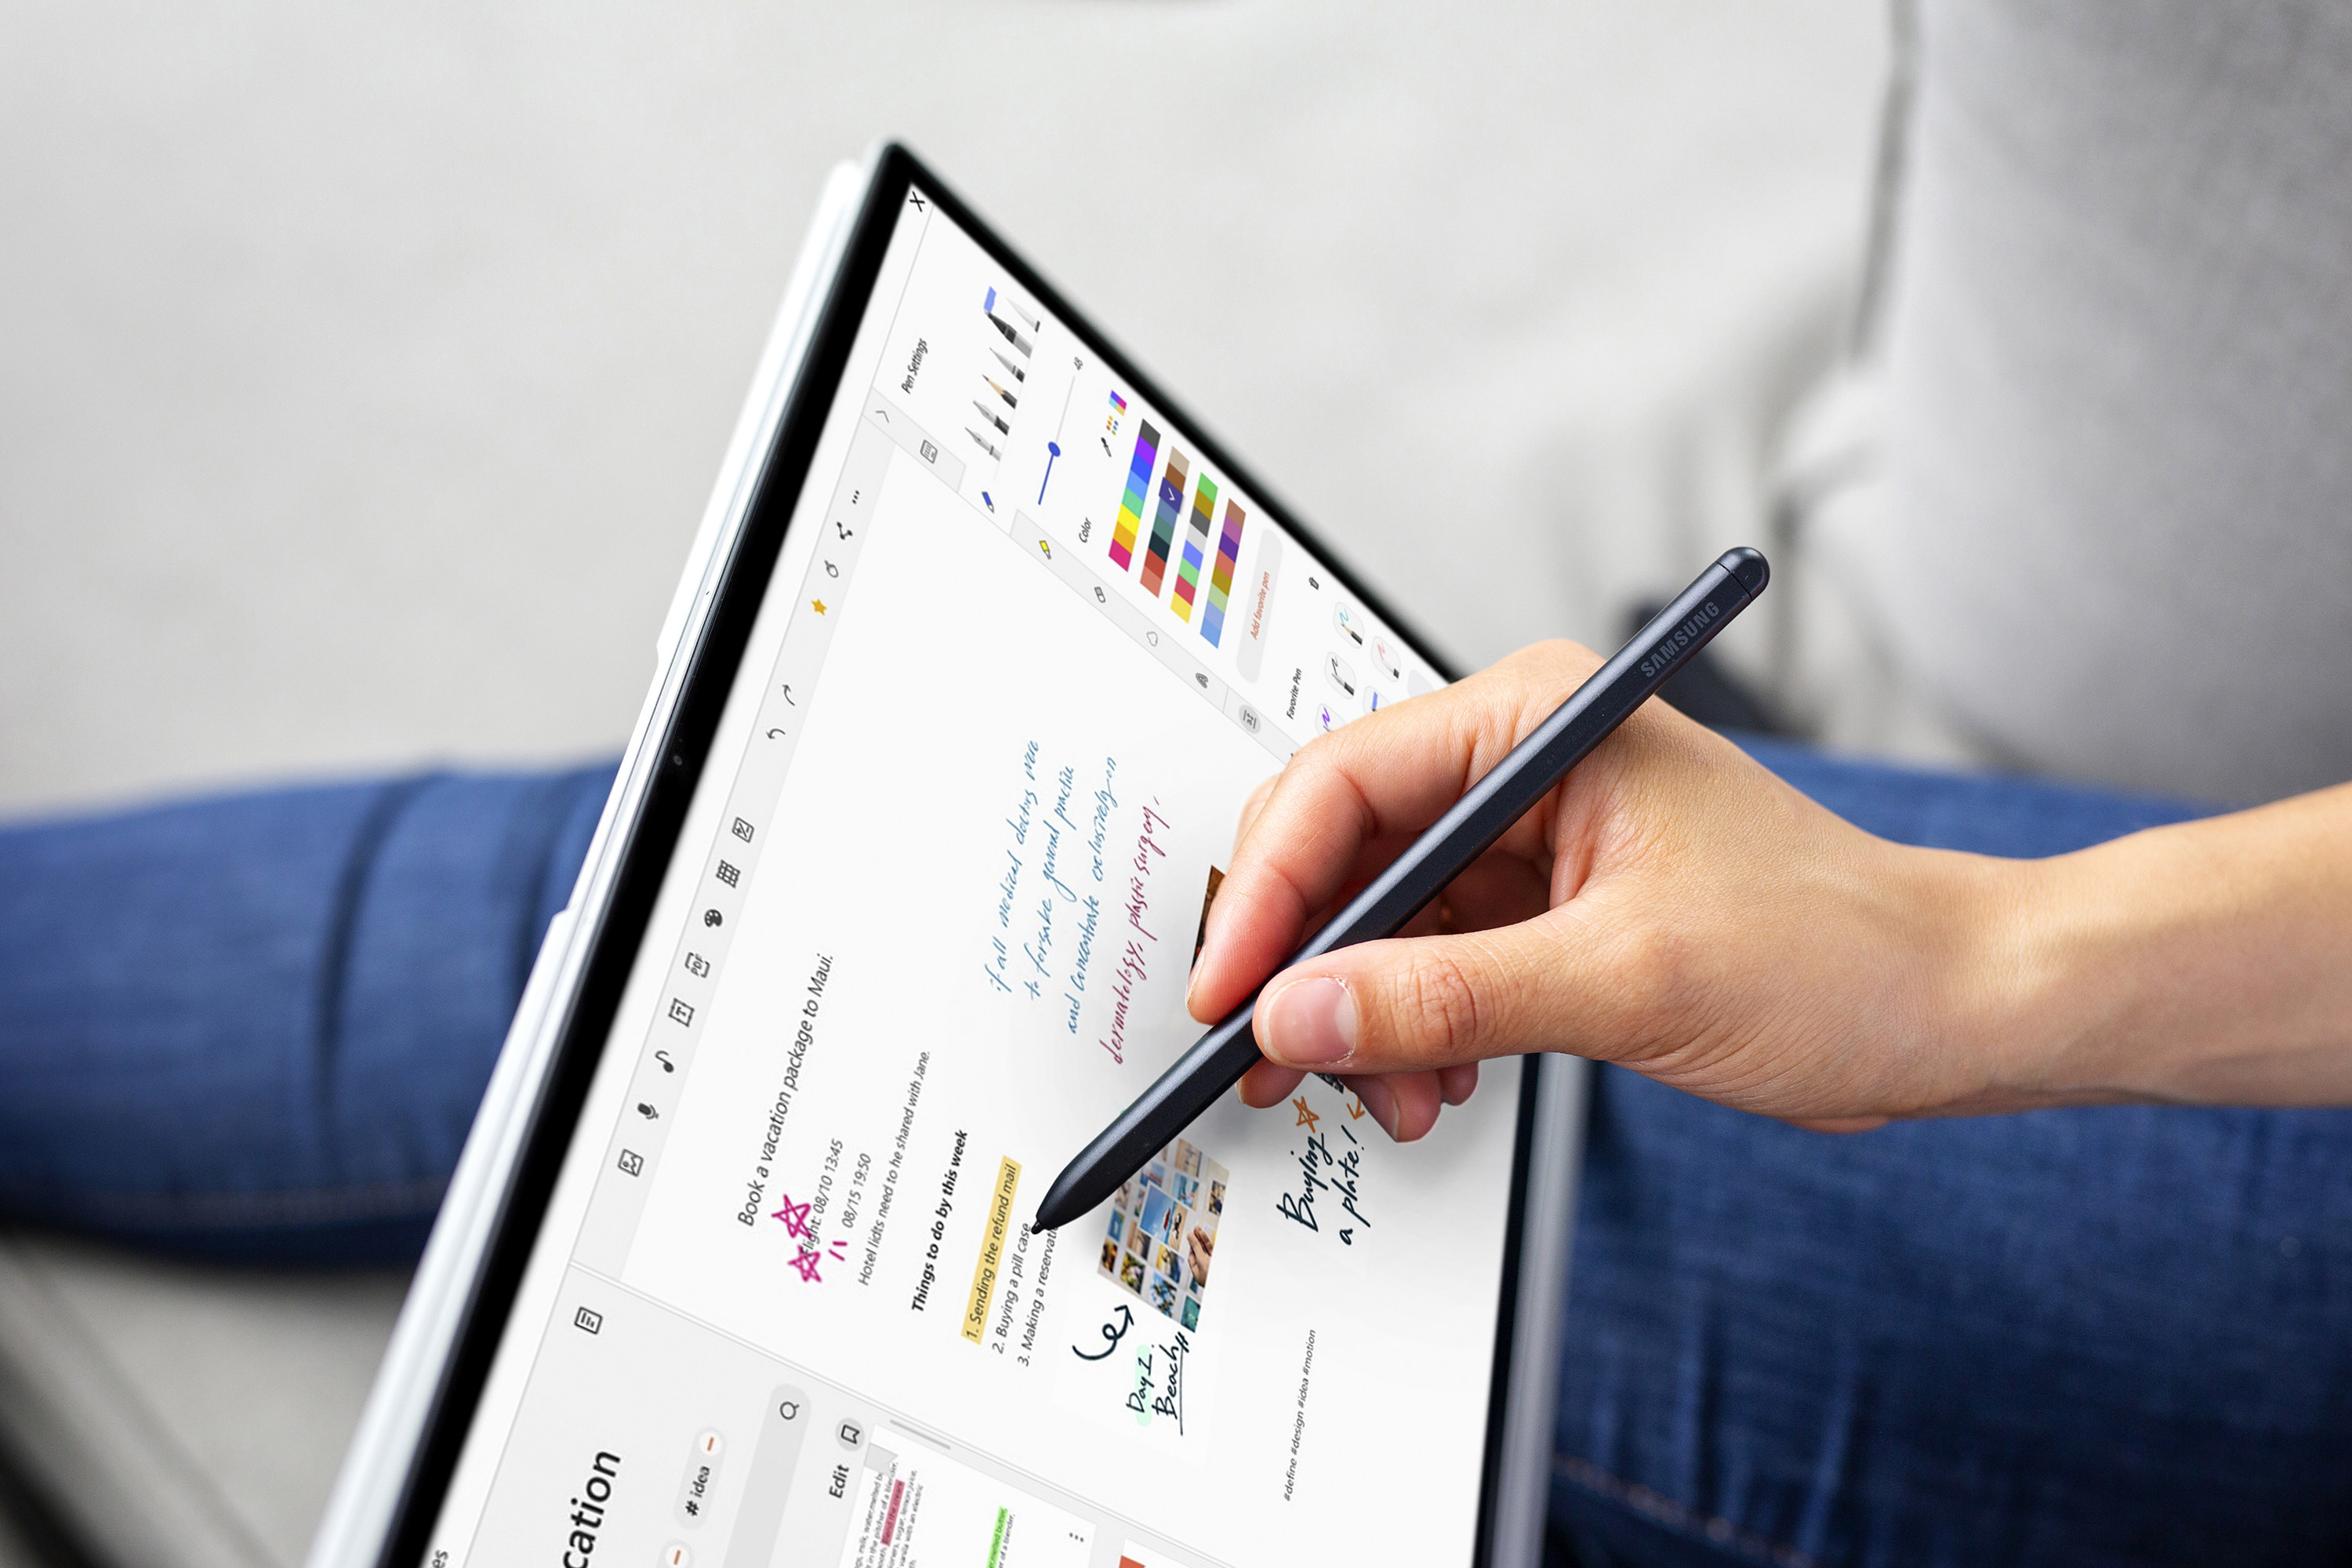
{"x":1032,"y":323}
{"x":1019,"y":340}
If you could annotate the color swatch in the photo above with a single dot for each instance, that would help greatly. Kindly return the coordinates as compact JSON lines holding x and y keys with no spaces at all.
{"x":1130,"y":505}
{"x":1220,"y":580}
{"x":1196,"y":546}
{"x":1163,"y":521}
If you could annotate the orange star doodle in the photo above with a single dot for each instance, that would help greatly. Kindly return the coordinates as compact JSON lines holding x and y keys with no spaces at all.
{"x":1307,"y":1118}
{"x":817,"y":604}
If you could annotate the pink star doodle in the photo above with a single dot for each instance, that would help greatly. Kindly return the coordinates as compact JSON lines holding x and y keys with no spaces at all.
{"x":810,"y":1257}
{"x":795,"y":1218}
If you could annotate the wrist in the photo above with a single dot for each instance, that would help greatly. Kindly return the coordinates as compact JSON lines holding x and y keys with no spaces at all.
{"x":2009,"y":1012}
{"x":2185,"y":965}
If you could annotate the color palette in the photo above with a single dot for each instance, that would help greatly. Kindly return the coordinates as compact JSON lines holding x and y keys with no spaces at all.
{"x":1196,"y":545}
{"x":1163,"y":521}
{"x":1220,"y":580}
{"x":1130,"y":504}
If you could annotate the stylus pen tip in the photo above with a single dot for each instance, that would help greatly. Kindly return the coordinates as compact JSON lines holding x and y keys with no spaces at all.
{"x":1063,"y":1203}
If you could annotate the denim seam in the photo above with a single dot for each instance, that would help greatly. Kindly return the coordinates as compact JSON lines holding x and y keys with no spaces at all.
{"x":1665,"y":1512}
{"x":351,"y":891}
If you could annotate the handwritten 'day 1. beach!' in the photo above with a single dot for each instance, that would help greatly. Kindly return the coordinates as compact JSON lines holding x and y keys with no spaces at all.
{"x":1070,"y":883}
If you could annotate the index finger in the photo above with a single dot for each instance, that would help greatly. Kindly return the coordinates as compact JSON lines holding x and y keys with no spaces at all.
{"x":1385,"y":776}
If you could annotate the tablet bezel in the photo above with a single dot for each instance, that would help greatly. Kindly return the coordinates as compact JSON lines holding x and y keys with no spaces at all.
{"x":672,"y":751}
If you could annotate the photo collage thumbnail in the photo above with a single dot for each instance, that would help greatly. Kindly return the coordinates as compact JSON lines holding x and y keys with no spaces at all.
{"x":1164,"y":1231}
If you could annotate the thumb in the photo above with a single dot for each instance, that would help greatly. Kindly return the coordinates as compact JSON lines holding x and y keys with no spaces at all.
{"x":1408,"y":1004}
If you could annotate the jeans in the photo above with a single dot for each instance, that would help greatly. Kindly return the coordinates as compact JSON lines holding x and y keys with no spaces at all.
{"x":2114,"y":1336}
{"x":256,"y":1026}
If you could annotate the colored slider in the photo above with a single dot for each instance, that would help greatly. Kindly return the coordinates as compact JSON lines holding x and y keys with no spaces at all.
{"x":1196,"y":544}
{"x":1053,"y":450}
{"x":1221,"y":581}
{"x":1163,"y":521}
{"x":1130,"y":504}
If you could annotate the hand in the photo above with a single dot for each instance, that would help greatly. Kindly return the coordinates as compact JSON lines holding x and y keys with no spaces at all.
{"x":1672,"y":906}
{"x":1198,"y":1246}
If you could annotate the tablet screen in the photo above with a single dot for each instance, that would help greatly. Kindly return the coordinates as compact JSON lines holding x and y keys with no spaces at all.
{"x":1024,"y":648}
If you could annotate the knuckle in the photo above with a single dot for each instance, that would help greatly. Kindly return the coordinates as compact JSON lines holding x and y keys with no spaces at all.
{"x":1651,"y":970}
{"x":1438,"y":1010}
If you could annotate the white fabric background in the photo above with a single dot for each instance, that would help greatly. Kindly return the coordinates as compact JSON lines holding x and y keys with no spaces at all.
{"x":365,"y":370}
{"x":2119,"y":351}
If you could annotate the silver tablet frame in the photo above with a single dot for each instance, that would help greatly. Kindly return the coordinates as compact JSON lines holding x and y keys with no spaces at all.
{"x":369,"y":1492}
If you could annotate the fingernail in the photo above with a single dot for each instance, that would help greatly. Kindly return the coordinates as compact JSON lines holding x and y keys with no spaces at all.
{"x":1310,"y":1023}
{"x":1381,"y":1101}
{"x":1208,"y":945}
{"x":1213,"y":926}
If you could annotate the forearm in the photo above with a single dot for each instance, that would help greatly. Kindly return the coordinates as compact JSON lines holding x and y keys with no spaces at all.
{"x":2207,"y":963}
{"x":1677,"y":910}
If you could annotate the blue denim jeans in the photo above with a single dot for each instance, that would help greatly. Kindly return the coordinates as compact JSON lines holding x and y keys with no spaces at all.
{"x":255,"y":1026}
{"x":2081,"y":1336}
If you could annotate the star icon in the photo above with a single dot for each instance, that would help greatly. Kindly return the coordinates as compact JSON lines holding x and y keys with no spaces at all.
{"x":818,"y":605}
{"x":1307,"y":1118}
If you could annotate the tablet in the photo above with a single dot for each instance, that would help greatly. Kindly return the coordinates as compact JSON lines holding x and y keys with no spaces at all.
{"x":983,"y":643}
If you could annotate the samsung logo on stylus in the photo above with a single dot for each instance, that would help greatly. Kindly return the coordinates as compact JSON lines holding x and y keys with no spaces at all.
{"x":1705,"y":615}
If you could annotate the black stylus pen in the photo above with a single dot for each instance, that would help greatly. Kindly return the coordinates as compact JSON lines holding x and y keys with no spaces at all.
{"x":1509,"y":792}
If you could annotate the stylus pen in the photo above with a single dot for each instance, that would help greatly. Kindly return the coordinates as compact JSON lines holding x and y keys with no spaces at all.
{"x":1509,"y":792}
